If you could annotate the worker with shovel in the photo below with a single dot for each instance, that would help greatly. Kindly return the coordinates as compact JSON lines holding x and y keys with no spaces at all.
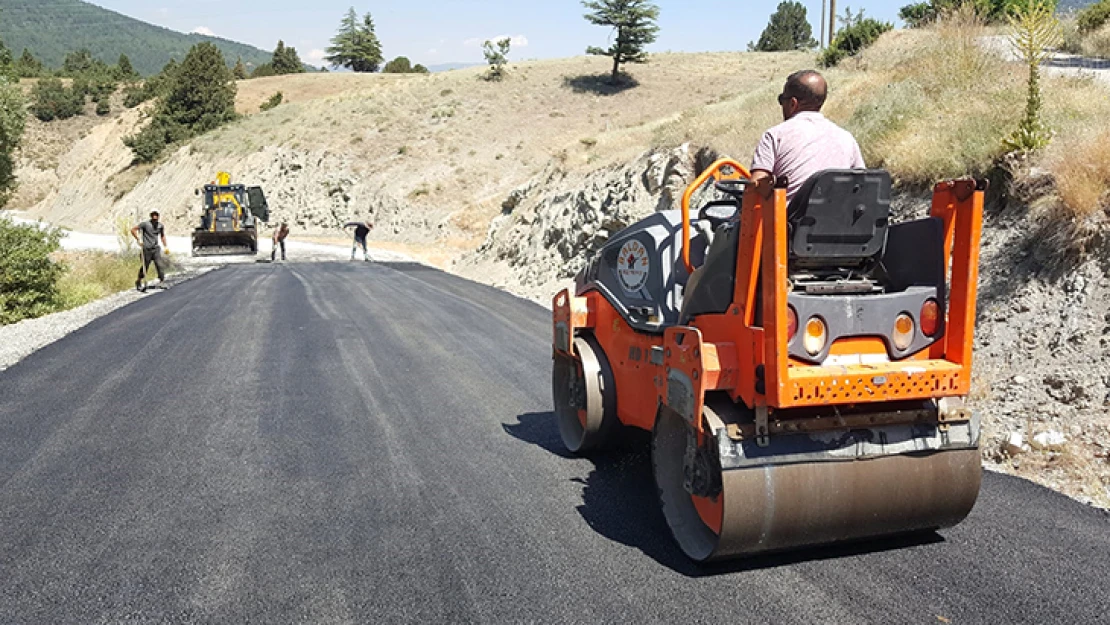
{"x":362,"y":230}
{"x":152,"y":230}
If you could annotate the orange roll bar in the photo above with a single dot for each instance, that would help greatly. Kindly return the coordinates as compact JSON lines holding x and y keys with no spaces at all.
{"x":713,"y":171}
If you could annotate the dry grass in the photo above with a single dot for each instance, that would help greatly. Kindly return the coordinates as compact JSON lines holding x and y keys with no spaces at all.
{"x":1082,"y":170}
{"x":304,"y":87}
{"x":93,"y":275}
{"x":476,"y":140}
{"x":1076,"y":471}
{"x":931,"y":105}
{"x":1098,"y":42}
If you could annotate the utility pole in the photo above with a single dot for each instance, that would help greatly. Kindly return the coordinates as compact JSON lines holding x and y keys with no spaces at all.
{"x":824,"y":6}
{"x":832,"y":21}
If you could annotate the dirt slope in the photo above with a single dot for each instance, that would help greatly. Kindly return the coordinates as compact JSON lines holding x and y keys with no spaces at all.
{"x":431,"y":157}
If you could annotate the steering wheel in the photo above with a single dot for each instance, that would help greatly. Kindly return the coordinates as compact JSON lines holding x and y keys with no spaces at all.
{"x":718,"y":213}
{"x":734,"y":188}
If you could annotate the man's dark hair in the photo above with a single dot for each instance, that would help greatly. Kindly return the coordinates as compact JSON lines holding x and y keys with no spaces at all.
{"x":154,"y":213}
{"x":808,"y":87}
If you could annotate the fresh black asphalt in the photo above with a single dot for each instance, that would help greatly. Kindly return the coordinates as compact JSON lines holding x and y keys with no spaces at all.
{"x":374,"y":444}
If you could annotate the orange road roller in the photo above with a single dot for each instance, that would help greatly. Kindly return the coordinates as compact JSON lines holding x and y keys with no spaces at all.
{"x":802,"y":366}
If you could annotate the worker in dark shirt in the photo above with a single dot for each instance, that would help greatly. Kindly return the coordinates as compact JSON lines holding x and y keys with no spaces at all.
{"x":362,"y":230}
{"x":153,"y":231}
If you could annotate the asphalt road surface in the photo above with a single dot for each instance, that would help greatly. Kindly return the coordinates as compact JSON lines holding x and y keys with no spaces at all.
{"x":374,"y":443}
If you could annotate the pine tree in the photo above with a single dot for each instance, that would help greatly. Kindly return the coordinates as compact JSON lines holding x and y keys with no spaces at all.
{"x":286,"y":60}
{"x":240,"y":70}
{"x":634,"y":22}
{"x":788,"y":29}
{"x":356,"y":46}
{"x":497,"y":56}
{"x":124,"y":68}
{"x":202,"y":95}
{"x":80,"y":62}
{"x":28,"y":66}
{"x":198,"y":96}
{"x":7,"y":67}
{"x":13,"y":119}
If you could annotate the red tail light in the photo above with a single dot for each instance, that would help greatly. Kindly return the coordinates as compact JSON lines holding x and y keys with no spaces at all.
{"x":791,"y":323}
{"x":930,"y":318}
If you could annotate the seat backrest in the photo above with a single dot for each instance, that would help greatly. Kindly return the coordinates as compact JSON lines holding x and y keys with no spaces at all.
{"x":839,"y":218}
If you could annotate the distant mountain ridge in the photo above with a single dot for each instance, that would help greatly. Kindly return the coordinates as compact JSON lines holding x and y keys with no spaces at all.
{"x":1063,"y":6}
{"x":52,"y":28}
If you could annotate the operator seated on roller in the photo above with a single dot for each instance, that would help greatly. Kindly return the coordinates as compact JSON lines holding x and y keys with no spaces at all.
{"x":805,"y":143}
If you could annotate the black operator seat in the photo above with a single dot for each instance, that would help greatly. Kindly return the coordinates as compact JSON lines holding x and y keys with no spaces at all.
{"x":839,"y":219}
{"x":838,"y":222}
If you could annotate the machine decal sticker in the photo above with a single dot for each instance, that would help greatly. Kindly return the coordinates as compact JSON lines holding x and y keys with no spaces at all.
{"x":633,"y":266}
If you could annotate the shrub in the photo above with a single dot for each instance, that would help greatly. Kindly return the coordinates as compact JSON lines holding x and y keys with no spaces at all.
{"x":152,"y":140}
{"x":853,"y":39}
{"x":102,"y":107}
{"x":273,"y":102}
{"x":134,"y":96}
{"x":50,"y":100}
{"x":13,"y":121}
{"x":399,"y":65}
{"x":1098,"y":43}
{"x":1093,"y":17}
{"x":918,"y":14}
{"x":28,"y":276}
{"x":264,"y":70}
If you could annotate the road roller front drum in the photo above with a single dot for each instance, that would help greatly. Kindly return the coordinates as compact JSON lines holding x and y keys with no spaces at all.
{"x":585,"y":397}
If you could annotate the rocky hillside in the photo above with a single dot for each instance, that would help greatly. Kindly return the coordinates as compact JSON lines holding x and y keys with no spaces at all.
{"x":429,"y":157}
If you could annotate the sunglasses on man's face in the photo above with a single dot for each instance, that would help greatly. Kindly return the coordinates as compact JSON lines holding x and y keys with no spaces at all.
{"x":783,"y":99}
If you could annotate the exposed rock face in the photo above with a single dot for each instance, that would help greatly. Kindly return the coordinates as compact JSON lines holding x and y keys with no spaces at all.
{"x":551,"y":226}
{"x":313,"y":191}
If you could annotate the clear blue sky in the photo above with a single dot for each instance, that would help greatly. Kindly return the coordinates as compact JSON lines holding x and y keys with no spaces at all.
{"x":447,"y":31}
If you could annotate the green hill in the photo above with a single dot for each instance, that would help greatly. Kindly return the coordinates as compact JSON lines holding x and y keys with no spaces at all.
{"x":52,"y":28}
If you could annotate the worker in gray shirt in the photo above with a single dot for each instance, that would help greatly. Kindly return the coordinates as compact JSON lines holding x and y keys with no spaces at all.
{"x":153,"y":231}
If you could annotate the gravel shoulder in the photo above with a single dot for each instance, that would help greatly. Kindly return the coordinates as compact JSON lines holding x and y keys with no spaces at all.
{"x":19,"y":340}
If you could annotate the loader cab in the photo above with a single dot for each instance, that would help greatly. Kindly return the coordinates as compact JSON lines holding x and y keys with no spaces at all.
{"x":257,"y":205}
{"x":225,"y":208}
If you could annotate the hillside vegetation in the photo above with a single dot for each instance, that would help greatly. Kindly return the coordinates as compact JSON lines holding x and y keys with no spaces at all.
{"x":50,"y":29}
